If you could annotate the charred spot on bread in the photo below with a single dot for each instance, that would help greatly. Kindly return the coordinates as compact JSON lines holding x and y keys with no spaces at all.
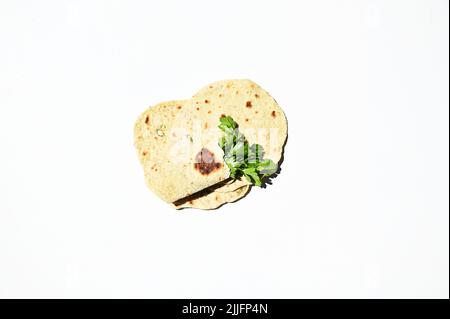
{"x":205,"y":162}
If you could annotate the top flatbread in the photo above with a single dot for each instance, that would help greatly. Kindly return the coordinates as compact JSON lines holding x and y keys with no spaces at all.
{"x":168,"y":148}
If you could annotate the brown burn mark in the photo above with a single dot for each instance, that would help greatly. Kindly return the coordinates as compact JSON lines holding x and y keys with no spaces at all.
{"x":274,"y":114}
{"x":246,"y":120}
{"x":205,"y":162}
{"x":220,"y":95}
{"x":257,"y":96}
{"x":147,"y":119}
{"x":179,"y":107}
{"x":144,"y":153}
{"x":209,"y":112}
{"x":198,"y":109}
{"x":205,"y":125}
{"x":206,"y":101}
{"x":222,"y":116}
{"x":248,"y":104}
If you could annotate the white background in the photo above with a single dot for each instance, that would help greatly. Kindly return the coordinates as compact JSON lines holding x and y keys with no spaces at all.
{"x":359,"y":210}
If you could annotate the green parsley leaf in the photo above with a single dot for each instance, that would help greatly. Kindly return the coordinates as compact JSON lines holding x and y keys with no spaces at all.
{"x":241,"y":158}
{"x":227,"y":124}
{"x":267,"y":167}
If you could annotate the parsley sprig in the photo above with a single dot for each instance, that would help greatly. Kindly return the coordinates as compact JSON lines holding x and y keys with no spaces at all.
{"x":243,"y":159}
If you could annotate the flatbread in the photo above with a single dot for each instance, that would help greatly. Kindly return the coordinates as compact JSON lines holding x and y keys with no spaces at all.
{"x":184,"y":129}
{"x":216,"y":195}
{"x":213,"y":200}
{"x":259,"y":116}
{"x":168,"y":150}
{"x":231,"y":186}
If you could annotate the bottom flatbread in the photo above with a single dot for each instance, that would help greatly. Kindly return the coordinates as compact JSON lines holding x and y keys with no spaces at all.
{"x":211,"y":199}
{"x":231,"y":185}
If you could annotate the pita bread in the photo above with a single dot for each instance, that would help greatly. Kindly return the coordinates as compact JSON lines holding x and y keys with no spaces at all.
{"x":213,"y":200}
{"x":165,"y":142}
{"x":183,"y":129}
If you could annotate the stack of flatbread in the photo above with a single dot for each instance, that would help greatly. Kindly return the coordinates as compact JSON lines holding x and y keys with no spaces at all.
{"x":177,"y":142}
